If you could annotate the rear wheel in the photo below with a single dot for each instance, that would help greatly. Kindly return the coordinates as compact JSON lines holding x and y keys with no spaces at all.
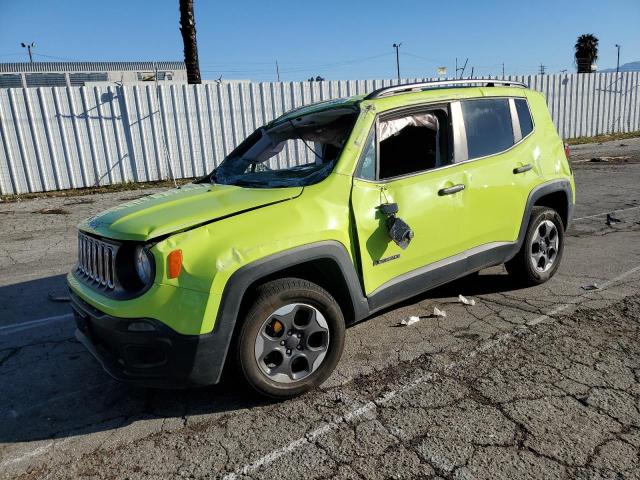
{"x":540,"y":254}
{"x":292,"y":338}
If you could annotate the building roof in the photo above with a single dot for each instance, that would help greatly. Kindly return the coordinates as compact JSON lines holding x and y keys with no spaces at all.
{"x":88,"y":66}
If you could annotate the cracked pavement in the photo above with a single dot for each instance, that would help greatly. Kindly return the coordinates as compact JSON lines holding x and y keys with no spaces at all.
{"x":528,"y":383}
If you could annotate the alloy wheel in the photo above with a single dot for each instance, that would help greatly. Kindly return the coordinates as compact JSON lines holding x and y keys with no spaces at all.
{"x":544,"y":246}
{"x":292,"y":342}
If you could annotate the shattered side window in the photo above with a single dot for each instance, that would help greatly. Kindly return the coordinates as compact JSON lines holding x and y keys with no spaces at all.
{"x":413,"y":143}
{"x":368,"y":164}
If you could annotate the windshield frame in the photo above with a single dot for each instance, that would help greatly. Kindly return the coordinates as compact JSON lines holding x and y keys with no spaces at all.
{"x":318,"y":172}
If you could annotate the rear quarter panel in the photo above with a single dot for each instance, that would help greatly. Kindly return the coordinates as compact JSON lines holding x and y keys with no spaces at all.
{"x":553,"y":162}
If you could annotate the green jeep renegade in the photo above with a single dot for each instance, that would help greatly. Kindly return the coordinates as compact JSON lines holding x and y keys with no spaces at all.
{"x":317,"y":220}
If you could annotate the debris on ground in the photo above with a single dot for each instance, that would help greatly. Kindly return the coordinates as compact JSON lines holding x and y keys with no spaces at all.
{"x":82,"y":201}
{"x":135,"y":197}
{"x":611,"y":218}
{"x":467,"y":301}
{"x":590,"y":286}
{"x":409,"y":321}
{"x":53,"y":211}
{"x":439,"y":313}
{"x":617,"y":158}
{"x":58,"y":298}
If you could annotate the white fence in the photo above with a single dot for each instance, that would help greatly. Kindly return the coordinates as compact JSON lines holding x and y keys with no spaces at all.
{"x":60,"y":138}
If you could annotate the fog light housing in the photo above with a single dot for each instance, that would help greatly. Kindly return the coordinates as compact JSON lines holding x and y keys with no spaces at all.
{"x":141,"y":327}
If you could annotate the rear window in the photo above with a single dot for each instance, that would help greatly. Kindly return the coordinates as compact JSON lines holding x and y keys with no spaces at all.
{"x":524,"y":115}
{"x":488,"y":126}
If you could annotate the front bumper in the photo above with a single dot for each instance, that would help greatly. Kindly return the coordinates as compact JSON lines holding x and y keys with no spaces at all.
{"x":156,"y":356}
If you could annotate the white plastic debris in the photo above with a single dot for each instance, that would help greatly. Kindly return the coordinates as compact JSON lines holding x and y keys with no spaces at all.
{"x":466,"y":301}
{"x":590,"y":286}
{"x":439,"y":313}
{"x":409,"y":321}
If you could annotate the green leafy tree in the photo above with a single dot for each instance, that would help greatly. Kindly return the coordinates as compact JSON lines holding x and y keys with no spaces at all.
{"x":586,"y":52}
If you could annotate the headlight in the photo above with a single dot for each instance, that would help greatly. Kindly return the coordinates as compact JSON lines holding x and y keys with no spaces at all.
{"x":143,"y":264}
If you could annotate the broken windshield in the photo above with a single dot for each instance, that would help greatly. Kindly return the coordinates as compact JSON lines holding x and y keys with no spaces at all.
{"x":297,"y":151}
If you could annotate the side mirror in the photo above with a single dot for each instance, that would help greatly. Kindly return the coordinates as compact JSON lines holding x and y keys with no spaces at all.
{"x":398,"y":230}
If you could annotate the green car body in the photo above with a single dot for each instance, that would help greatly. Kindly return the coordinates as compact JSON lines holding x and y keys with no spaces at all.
{"x":332,"y":232}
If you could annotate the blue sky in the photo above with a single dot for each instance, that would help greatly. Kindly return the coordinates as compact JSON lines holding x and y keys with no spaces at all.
{"x":346,"y":39}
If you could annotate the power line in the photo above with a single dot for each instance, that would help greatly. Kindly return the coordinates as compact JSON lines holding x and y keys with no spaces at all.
{"x":432,"y":60}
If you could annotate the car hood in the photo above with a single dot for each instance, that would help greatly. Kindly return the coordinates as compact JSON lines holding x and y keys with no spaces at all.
{"x":180,"y":209}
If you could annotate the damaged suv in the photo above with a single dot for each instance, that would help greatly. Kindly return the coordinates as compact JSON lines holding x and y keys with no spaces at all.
{"x":316,"y":221}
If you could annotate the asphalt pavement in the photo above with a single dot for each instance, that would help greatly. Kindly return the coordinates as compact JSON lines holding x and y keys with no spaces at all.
{"x":540,"y":382}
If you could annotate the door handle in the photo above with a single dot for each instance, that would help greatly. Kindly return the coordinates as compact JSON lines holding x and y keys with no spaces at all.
{"x":523,"y":168}
{"x":451,"y":190}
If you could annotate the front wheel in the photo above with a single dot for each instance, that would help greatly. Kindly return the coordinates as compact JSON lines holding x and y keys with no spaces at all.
{"x":540,"y":254}
{"x":291,"y":339}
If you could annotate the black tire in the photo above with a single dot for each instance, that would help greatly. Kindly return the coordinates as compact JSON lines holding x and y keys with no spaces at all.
{"x":521,"y":266}
{"x":269,"y":297}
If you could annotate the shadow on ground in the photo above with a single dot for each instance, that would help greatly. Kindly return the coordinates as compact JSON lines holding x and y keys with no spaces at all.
{"x":24,"y":301}
{"x":53,"y":388}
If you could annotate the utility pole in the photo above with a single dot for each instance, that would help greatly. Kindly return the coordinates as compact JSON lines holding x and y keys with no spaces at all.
{"x":277,"y":71}
{"x":502,"y":69}
{"x":542,"y":68}
{"x":29,"y":47}
{"x":463,"y":68}
{"x":397,"y":47}
{"x":618,"y":62}
{"x":472,"y":68}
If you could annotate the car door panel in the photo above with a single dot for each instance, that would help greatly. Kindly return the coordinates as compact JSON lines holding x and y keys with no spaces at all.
{"x":499,"y":178}
{"x":434,"y":218}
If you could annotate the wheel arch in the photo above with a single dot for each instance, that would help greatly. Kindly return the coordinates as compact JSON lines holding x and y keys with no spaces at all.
{"x":556,"y":194}
{"x":325,"y":263}
{"x":557,"y":200}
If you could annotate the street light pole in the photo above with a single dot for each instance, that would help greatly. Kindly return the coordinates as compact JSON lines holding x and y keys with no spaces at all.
{"x":397,"y":47}
{"x":618,"y":62}
{"x":29,"y":47}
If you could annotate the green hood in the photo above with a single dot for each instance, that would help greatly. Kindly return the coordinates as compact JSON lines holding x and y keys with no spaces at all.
{"x":179,"y":209}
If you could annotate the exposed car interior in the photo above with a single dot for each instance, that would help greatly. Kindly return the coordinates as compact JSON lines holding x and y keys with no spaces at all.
{"x":413,"y":143}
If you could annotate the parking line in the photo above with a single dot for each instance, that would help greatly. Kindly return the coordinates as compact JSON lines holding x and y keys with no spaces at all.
{"x":18,"y":327}
{"x":38,"y":451}
{"x":605,"y":213}
{"x":386,"y":397}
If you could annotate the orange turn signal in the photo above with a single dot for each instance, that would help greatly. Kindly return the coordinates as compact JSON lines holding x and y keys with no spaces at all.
{"x":175,"y":263}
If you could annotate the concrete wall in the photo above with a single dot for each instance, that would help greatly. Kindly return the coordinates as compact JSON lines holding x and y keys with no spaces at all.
{"x":60,"y":138}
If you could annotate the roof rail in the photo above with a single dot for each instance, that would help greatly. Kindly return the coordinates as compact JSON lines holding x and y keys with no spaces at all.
{"x":414,"y":87}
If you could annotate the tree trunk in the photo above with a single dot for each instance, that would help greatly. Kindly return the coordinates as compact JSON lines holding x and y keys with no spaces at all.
{"x":188,"y":30}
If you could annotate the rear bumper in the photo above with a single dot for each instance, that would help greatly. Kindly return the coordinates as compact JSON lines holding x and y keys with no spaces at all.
{"x":152,"y":355}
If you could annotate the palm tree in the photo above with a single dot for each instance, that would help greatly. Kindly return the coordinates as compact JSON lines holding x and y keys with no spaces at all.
{"x":586,"y":52}
{"x":188,"y":30}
